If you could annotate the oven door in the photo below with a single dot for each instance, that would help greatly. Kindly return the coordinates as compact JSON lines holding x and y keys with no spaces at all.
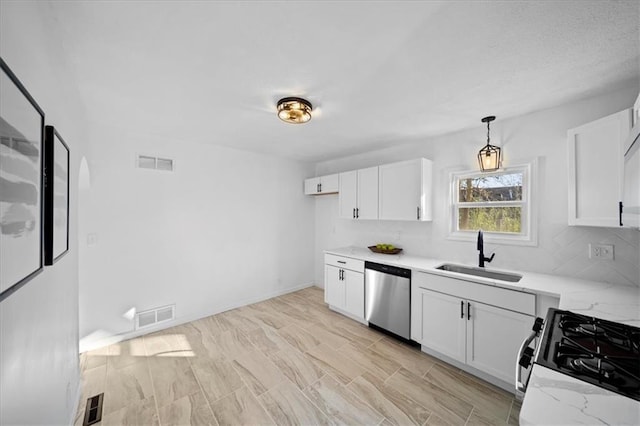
{"x":525,"y":359}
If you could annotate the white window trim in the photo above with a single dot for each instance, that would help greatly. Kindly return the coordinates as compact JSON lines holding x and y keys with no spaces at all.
{"x":529,"y":195}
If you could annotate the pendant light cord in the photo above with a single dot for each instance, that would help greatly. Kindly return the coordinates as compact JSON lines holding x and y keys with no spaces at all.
{"x":488,"y":122}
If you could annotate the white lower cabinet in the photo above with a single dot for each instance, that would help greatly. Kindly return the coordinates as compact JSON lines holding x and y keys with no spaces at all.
{"x":442,"y":326}
{"x":344,"y":287}
{"x":334,"y":293}
{"x":480,"y":334}
{"x":494,"y":336}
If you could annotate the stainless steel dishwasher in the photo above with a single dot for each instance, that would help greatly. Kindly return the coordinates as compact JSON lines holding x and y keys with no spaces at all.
{"x":388,"y":298}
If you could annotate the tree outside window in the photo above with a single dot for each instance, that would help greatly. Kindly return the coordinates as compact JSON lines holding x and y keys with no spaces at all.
{"x":487,"y":202}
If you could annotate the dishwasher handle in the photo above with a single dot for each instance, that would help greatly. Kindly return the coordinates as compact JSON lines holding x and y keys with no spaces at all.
{"x":388,"y":269}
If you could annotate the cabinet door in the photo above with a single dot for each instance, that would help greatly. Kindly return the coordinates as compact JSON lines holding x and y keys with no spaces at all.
{"x":443,"y":325}
{"x":311,"y":186}
{"x":368,"y":193}
{"x":494,"y":336}
{"x":354,"y":293}
{"x":631,"y":185}
{"x":595,"y":170}
{"x":333,"y":287}
{"x":329,"y":183}
{"x":400,"y":190}
{"x":348,"y":192}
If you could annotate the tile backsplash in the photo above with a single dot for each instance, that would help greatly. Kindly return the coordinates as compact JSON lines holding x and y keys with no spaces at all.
{"x":562,"y":250}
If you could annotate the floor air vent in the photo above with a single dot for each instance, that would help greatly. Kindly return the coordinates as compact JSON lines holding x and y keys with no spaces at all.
{"x":93,"y":412}
{"x":154,"y":316}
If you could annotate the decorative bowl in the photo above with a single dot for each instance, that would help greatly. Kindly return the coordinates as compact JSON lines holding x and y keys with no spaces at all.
{"x":395,"y":250}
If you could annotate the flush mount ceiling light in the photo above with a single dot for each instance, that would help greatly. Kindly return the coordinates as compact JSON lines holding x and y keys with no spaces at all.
{"x":489,"y":156}
{"x":294,"y":110}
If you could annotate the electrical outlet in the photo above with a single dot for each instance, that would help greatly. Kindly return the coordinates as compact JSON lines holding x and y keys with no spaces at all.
{"x":601,"y":251}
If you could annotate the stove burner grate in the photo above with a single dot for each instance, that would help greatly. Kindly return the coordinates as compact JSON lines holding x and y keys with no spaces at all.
{"x":597,"y":351}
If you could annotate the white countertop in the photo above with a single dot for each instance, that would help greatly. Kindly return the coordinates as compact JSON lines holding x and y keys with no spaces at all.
{"x":555,"y":398}
{"x":551,"y":397}
{"x":612,"y":302}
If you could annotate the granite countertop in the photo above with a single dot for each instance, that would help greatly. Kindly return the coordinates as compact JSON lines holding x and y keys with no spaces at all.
{"x":551,"y":397}
{"x":620,"y":303}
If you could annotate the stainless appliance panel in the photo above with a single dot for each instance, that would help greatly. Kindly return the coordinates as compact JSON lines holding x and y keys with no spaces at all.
{"x":388,"y":302}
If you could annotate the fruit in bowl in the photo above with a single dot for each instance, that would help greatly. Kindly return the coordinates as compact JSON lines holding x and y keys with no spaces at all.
{"x":385,"y":247}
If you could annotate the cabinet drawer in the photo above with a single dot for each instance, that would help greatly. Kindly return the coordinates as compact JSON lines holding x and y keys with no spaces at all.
{"x":344,"y":262}
{"x":503,"y":298}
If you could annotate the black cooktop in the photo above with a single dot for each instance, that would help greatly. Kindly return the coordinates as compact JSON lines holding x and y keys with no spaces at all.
{"x":600,"y":352}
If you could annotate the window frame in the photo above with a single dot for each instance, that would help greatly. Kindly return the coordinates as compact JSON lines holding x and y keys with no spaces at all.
{"x":528,"y":234}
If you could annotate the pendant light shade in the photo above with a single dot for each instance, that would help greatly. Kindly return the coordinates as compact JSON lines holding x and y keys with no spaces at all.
{"x":294,"y":110}
{"x":489,"y":156}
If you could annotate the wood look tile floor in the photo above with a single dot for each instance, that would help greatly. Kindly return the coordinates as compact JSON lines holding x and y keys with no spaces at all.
{"x":284,"y":361}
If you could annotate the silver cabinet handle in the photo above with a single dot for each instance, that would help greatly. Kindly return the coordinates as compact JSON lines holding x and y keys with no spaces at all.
{"x":357,"y":213}
{"x":354,"y":213}
{"x":521,"y":387}
{"x":462,"y":309}
{"x":418,"y":210}
{"x":342,"y":261}
{"x":468,"y":311}
{"x":320,"y":187}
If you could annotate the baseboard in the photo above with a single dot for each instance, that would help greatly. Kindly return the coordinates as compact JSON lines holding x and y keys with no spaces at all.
{"x":110,"y":340}
{"x":74,"y":411}
{"x":348,"y":315}
{"x":509,"y":387}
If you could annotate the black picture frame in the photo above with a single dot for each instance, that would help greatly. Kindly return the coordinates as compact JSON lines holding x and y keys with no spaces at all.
{"x":56,"y":196}
{"x":21,"y":184}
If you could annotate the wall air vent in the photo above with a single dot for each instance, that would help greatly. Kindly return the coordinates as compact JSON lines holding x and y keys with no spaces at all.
{"x":155,"y":163}
{"x":155,"y":316}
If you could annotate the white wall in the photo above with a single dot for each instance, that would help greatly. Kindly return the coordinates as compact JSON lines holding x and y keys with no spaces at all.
{"x":226,"y":228}
{"x":561,"y":250}
{"x":39,"y":375}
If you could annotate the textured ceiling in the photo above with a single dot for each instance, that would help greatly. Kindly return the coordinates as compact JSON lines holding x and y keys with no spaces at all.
{"x":377,"y":72}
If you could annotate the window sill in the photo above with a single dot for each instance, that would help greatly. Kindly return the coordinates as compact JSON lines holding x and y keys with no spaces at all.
{"x":492,"y":238}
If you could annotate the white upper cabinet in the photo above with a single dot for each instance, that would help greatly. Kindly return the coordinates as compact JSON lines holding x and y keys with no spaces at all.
{"x":595,"y":154}
{"x":631,"y":180}
{"x":405,"y":190}
{"x":367,"y":207}
{"x":358,"y":191}
{"x":321,"y":185}
{"x":348,"y":194}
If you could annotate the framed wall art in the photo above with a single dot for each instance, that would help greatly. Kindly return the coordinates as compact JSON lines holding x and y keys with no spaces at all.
{"x":21,"y":183}
{"x":56,"y":196}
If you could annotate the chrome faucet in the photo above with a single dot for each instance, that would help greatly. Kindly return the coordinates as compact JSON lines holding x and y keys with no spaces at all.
{"x":481,"y":257}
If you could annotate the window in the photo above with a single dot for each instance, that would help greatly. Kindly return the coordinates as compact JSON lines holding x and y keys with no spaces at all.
{"x":499,"y":203}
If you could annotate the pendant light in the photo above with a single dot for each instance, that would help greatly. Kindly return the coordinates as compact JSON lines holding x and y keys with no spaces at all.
{"x":489,"y":156}
{"x":294,"y":110}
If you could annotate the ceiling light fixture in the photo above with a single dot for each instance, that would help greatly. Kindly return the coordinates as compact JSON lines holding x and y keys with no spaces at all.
{"x":294,"y":110}
{"x":489,"y":156}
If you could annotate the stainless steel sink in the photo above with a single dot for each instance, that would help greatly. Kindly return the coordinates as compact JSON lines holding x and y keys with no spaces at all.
{"x":480,"y":272}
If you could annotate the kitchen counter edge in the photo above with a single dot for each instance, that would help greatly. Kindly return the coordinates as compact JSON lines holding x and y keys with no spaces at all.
{"x":614,"y":302}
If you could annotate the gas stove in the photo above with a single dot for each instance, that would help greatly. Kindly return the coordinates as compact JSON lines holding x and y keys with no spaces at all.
{"x":600,"y":352}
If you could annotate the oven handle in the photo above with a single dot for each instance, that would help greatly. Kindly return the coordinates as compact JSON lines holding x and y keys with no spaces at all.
{"x":521,"y":387}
